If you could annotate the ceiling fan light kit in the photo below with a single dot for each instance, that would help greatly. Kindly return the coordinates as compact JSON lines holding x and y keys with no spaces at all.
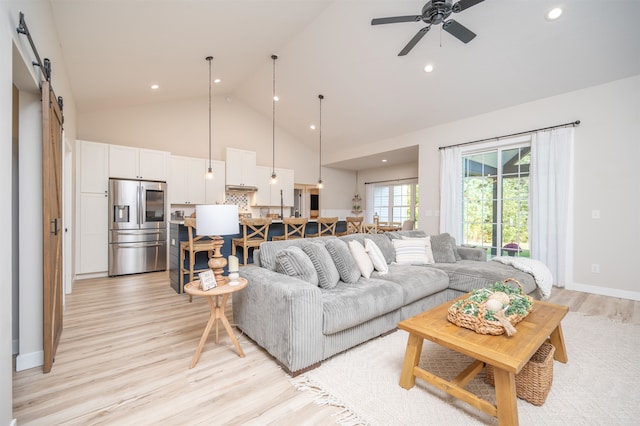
{"x":435,"y":12}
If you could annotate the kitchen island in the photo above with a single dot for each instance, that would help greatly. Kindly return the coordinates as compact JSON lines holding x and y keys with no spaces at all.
{"x":178,"y":233}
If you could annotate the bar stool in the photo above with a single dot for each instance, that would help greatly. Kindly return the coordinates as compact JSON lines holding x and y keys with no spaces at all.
{"x":326,"y":226}
{"x":254,"y":232}
{"x":294,"y":227}
{"x":192,"y":246}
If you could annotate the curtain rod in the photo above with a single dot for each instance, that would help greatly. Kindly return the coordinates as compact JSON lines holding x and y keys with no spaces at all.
{"x":391,"y":180}
{"x":573,"y":123}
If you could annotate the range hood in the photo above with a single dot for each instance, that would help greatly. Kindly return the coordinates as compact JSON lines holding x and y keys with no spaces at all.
{"x":240,"y":188}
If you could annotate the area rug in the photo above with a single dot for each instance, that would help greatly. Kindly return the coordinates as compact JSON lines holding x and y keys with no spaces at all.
{"x":600,"y":385}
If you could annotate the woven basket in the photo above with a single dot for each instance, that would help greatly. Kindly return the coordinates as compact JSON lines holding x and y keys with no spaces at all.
{"x":478,"y":323}
{"x":533,"y":382}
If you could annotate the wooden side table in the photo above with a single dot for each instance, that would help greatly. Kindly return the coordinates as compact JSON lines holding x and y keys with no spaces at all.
{"x":217,"y":298}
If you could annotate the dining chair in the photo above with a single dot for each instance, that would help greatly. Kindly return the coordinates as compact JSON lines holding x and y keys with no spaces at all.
{"x":255,"y":231}
{"x":354,"y":224}
{"x":326,"y":226}
{"x":193,"y":246}
{"x":407,"y":225}
{"x":294,"y":227}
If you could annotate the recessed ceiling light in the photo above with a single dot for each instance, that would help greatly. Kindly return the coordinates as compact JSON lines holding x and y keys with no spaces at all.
{"x":217,"y":80}
{"x":312,"y":127}
{"x":384,"y":160}
{"x":276,"y":98}
{"x":554,"y":14}
{"x":428,"y":68}
{"x":154,"y":87}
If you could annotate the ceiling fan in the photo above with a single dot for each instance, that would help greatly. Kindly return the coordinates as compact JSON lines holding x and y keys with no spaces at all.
{"x":433,"y":13}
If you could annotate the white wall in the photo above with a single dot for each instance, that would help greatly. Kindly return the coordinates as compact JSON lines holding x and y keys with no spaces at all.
{"x":606,"y":152}
{"x":16,"y":68}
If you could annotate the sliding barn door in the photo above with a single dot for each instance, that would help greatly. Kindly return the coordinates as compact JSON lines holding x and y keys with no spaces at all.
{"x":52,"y":222}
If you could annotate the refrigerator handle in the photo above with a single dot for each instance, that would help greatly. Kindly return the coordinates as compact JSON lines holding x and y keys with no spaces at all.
{"x":140,"y":205}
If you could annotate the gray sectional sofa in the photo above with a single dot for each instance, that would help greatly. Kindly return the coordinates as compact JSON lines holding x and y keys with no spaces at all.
{"x":301,"y":321}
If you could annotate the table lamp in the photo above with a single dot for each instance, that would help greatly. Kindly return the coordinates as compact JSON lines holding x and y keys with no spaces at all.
{"x":215,"y":220}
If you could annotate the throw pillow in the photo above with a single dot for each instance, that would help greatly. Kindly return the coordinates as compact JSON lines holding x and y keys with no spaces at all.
{"x":362,"y":258}
{"x":328,"y":275}
{"x":294,"y":262}
{"x":412,"y":252}
{"x":376,"y":256}
{"x":344,"y":261}
{"x":442,"y":249}
{"x":427,"y":242}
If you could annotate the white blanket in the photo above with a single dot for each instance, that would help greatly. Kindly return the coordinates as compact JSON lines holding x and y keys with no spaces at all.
{"x":541,"y":274}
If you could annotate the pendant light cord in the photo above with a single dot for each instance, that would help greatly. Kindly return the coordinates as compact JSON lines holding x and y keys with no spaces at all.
{"x":209,"y":58}
{"x":273,"y":113}
{"x":321,"y":97}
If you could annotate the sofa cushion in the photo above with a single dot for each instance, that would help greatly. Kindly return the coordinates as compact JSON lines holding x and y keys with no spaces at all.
{"x":442,"y":248}
{"x":455,"y":249}
{"x":416,"y":281}
{"x":412,"y":251}
{"x":269,"y":250}
{"x":362,"y":258}
{"x":344,"y":261}
{"x":376,"y":256}
{"x":468,"y":275}
{"x":294,"y":262}
{"x":328,"y":275}
{"x":348,"y":305}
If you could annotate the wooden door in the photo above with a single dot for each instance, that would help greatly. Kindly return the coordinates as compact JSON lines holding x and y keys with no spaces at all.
{"x":52,"y":222}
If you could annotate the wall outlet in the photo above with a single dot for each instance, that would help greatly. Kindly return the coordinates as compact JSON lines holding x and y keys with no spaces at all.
{"x":595,"y":268}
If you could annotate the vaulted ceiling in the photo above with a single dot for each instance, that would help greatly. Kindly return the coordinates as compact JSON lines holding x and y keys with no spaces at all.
{"x":115,"y":49}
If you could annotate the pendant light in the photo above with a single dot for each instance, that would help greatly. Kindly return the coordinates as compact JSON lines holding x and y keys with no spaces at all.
{"x":320,"y":185}
{"x":274,"y":178}
{"x":210,"y":170}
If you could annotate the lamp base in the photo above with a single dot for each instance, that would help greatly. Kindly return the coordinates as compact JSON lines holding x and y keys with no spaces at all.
{"x":218,"y":262}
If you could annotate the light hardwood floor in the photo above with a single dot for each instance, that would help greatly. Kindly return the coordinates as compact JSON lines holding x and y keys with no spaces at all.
{"x":125,"y":353}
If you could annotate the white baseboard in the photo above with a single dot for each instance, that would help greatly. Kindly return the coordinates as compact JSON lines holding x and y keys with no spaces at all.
{"x":91,"y":275}
{"x":605,"y":291}
{"x":30,"y":360}
{"x":15,"y":346}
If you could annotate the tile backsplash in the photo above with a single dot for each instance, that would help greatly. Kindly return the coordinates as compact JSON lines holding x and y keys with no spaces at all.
{"x":238,"y":198}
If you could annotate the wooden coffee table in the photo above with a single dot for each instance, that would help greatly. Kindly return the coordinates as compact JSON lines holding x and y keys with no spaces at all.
{"x":507,"y":354}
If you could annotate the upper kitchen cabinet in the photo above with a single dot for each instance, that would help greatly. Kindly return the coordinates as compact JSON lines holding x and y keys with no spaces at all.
{"x":240,"y":167}
{"x":94,"y":166}
{"x":187,"y":181}
{"x":215,"y":193}
{"x":138,"y":163}
{"x":268,"y":194}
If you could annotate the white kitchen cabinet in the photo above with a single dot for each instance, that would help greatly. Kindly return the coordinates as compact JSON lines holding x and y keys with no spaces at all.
{"x":92,"y":180}
{"x":269,"y":194}
{"x":240,"y":167}
{"x":215,"y":188}
{"x":187,"y":180}
{"x":93,"y":166}
{"x":94,"y":237}
{"x":137,"y":163}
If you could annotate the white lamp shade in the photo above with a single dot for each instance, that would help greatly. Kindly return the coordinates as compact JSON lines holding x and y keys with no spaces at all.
{"x":217,"y":219}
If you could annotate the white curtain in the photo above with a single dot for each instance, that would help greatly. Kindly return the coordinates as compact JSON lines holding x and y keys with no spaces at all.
{"x":551,"y":201}
{"x":368,"y":198}
{"x":451,"y":192}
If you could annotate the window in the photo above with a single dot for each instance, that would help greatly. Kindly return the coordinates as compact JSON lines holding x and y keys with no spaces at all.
{"x":496,"y":200}
{"x":396,"y":202}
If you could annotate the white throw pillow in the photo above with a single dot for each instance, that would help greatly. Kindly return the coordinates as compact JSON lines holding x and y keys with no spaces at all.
{"x":413,"y":251}
{"x":376,"y":256}
{"x":362,"y":258}
{"x":428,"y":247}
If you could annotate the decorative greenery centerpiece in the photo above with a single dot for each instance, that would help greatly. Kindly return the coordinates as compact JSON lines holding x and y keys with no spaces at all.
{"x":492,"y":310}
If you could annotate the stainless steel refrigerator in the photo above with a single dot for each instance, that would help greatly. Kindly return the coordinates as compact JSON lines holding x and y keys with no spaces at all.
{"x":137,"y":226}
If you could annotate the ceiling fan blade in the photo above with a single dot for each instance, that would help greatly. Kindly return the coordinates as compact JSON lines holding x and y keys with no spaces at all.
{"x":416,"y":38}
{"x":395,"y":19}
{"x":464,"y":4}
{"x":458,"y":30}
